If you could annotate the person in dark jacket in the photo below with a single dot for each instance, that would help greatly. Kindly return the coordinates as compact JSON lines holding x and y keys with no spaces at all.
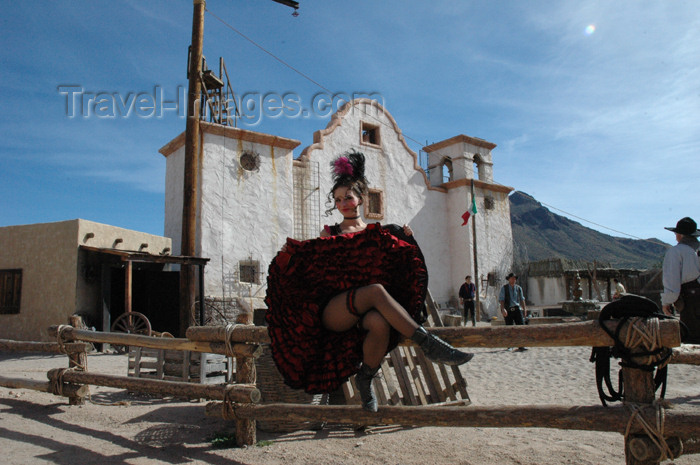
{"x":467,"y":297}
{"x":512,"y":301}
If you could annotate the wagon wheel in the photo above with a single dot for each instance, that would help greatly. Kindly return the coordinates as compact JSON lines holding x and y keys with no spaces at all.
{"x":130,"y":323}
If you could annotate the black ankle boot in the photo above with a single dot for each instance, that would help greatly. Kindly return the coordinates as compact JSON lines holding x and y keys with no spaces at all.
{"x":363,"y":380}
{"x":438,"y":350}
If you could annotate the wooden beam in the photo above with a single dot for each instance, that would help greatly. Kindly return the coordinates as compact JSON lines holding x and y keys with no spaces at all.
{"x":645,"y":450}
{"x":241,"y":333}
{"x":582,"y":418}
{"x":166,"y":343}
{"x":211,"y":338}
{"x":128,"y":281}
{"x":237,"y":392}
{"x":67,"y":390}
{"x":144,"y":257}
{"x":7,"y":345}
{"x":587,"y":334}
{"x":689,"y":355}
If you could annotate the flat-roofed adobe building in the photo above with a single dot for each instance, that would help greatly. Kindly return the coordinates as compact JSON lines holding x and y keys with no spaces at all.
{"x":51,"y":271}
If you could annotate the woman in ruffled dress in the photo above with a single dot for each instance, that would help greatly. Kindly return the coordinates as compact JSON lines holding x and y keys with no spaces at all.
{"x":338,"y":304}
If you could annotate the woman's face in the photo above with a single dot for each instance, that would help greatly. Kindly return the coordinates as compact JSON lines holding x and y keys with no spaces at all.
{"x":347,"y":202}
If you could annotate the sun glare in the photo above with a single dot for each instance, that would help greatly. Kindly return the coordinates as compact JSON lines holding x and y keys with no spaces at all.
{"x":590,"y":29}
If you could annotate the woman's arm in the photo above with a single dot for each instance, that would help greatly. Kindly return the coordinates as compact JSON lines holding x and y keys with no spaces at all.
{"x":404,"y":232}
{"x":328,"y":231}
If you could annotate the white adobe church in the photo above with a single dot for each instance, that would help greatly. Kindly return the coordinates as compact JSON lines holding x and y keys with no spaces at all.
{"x":253,"y":194}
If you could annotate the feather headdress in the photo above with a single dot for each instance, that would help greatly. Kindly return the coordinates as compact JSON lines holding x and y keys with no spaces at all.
{"x":347,"y":170}
{"x":348,"y":167}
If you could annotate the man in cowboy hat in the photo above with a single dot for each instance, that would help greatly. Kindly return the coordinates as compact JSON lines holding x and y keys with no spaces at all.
{"x":512,"y":303}
{"x":681,"y":278}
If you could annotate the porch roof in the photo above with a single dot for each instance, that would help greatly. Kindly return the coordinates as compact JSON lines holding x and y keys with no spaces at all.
{"x":135,"y":256}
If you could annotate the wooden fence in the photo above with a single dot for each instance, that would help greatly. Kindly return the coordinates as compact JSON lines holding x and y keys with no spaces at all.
{"x":652,"y":433}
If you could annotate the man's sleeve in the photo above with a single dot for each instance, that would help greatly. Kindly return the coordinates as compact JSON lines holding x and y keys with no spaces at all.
{"x":671,"y":277}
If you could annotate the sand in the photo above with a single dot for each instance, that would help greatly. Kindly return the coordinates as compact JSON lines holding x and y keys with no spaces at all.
{"x":116,"y":427}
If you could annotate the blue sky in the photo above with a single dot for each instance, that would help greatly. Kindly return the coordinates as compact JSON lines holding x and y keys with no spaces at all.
{"x":594,"y":106}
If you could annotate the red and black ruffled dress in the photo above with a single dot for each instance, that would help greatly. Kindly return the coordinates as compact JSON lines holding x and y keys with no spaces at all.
{"x":302,"y":280}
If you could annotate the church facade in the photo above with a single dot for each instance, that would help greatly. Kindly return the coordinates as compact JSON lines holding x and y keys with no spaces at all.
{"x":254,"y":193}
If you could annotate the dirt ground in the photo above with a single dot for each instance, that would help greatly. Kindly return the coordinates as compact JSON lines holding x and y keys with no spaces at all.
{"x":115,"y":427}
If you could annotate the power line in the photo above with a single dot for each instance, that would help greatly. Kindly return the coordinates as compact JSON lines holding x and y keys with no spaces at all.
{"x":300,"y":73}
{"x":266,"y":51}
{"x":307,"y":77}
{"x":605,"y":227}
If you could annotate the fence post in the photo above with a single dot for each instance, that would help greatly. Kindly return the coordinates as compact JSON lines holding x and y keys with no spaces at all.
{"x":245,"y":374}
{"x":78,"y":360}
{"x":640,"y":389}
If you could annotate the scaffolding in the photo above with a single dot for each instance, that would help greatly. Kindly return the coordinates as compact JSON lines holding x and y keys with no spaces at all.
{"x":217,"y":101}
{"x":307,"y":200}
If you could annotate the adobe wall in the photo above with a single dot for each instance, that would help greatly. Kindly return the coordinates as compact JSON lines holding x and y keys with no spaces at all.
{"x":47,"y":255}
{"x":55,"y":283}
{"x":245,"y":213}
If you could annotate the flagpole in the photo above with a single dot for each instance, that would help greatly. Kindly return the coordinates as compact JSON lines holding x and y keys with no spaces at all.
{"x":477,"y":281}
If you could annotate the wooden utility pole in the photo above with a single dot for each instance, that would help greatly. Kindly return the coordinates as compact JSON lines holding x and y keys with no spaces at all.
{"x":477,"y":282}
{"x":192,"y":163}
{"x":191,"y":183}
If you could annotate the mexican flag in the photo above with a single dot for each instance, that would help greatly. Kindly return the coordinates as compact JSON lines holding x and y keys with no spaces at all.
{"x":470,"y":212}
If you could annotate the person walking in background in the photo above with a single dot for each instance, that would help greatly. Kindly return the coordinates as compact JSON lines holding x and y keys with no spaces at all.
{"x":681,"y":278}
{"x":512,"y":301}
{"x":467,"y":297}
{"x":619,"y":289}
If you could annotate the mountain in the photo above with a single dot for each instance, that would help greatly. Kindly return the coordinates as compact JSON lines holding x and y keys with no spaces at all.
{"x":539,"y":234}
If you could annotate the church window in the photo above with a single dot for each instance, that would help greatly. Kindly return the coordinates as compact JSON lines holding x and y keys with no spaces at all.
{"x":369,"y":134}
{"x":478,"y":162}
{"x":447,"y":172}
{"x":491,"y":279}
{"x":374,"y":207}
{"x":249,"y":271}
{"x":250,"y":161}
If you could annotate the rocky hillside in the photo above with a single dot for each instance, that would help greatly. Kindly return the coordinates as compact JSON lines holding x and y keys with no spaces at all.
{"x":539,"y":234}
